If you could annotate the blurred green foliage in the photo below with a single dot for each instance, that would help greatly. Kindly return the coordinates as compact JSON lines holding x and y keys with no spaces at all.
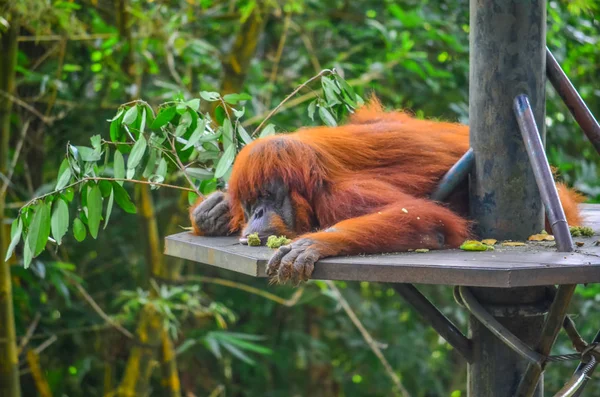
{"x":74,"y":70}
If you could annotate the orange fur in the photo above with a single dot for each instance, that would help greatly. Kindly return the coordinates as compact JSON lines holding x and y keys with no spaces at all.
{"x":368,"y":181}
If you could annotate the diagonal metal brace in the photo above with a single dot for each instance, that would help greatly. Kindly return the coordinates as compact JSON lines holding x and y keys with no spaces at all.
{"x":436,"y":319}
{"x":499,"y":330}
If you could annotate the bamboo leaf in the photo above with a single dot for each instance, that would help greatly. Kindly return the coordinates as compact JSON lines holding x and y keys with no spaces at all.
{"x":15,"y":236}
{"x":60,"y":220}
{"x":225,"y":161}
{"x":94,"y":205}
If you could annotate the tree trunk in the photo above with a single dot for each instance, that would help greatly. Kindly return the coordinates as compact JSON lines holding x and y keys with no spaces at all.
{"x":9,"y":365}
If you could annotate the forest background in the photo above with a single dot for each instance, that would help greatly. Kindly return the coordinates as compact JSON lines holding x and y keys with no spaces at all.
{"x":105,"y":313}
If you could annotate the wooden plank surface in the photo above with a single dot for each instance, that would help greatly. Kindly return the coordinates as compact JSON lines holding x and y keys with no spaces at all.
{"x":534,"y":264}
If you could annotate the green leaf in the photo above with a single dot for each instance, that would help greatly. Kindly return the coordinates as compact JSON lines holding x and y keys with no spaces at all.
{"x":39,"y":229}
{"x":64,"y":175}
{"x":109,"y":207}
{"x":151,"y":164}
{"x":220,"y":115}
{"x":137,"y":153}
{"x":60,"y":220}
{"x":15,"y":236}
{"x":94,"y":205}
{"x":119,"y":167}
{"x":130,"y":115}
{"x":312,"y":108}
{"x":208,"y":186}
{"x":243,"y":134}
{"x":192,"y":198}
{"x":239,"y":113}
{"x":143,"y":122}
{"x":185,"y":346}
{"x":227,"y":134}
{"x":327,"y":117}
{"x":194,"y":104}
{"x":88,"y":154}
{"x":238,"y":353}
{"x":233,"y":99}
{"x":267,"y":131}
{"x":27,"y":253}
{"x":161,"y":170}
{"x":79,"y":231}
{"x":331,"y":91}
{"x":105,"y":188}
{"x":96,"y":141}
{"x":164,"y":116}
{"x":118,"y":115}
{"x":197,"y":134}
{"x":225,"y":161}
{"x":122,"y":199}
{"x":68,"y":194}
{"x":199,"y":173}
{"x":210,"y":96}
{"x":115,"y":130}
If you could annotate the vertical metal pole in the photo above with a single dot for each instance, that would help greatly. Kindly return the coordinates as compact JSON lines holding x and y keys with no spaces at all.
{"x":507,"y":58}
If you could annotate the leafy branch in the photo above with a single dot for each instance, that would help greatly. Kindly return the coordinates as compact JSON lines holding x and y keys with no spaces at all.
{"x":153,"y":148}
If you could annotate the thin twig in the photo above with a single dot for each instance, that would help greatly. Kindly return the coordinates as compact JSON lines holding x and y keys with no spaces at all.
{"x":29,"y":333}
{"x":46,"y":344}
{"x":15,"y":158}
{"x":101,"y":312}
{"x":98,"y":178}
{"x":301,"y":86}
{"x":182,"y":168}
{"x":45,"y":120}
{"x":293,"y":300}
{"x":368,"y":338}
{"x":363,"y":79}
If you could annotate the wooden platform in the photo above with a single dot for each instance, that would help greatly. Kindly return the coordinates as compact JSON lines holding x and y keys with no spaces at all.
{"x":534,"y":264}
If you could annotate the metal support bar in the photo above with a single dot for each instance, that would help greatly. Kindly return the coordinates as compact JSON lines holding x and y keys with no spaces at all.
{"x":589,"y":373}
{"x":575,"y":385}
{"x":436,"y":319}
{"x":454,"y":176}
{"x":498,"y":329}
{"x":571,"y":98}
{"x":543,"y":174}
{"x":552,"y":325}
